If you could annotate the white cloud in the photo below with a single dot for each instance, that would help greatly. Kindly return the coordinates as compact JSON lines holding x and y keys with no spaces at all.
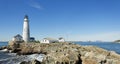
{"x":35,"y":4}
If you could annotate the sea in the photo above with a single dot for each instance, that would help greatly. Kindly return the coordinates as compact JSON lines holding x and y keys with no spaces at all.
{"x":12,"y":58}
{"x":110,"y":46}
{"x":3,"y":43}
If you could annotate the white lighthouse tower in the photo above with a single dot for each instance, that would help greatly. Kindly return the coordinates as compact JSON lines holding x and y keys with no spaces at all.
{"x":26,"y":31}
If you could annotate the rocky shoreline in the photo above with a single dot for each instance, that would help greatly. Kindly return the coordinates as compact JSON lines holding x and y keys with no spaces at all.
{"x":64,"y":53}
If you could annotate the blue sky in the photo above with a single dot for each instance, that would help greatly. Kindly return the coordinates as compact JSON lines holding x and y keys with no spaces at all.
{"x":79,"y":20}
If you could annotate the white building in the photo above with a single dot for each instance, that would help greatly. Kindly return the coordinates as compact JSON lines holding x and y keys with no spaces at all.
{"x":17,"y":38}
{"x":26,"y":31}
{"x":48,"y":40}
{"x":61,"y":39}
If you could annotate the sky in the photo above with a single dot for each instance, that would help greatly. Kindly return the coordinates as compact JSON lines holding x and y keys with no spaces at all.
{"x":75,"y":20}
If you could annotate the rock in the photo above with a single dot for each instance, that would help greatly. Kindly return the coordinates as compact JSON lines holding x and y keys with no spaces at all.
{"x":89,"y":54}
{"x":3,"y":47}
{"x":14,"y":44}
{"x":36,"y":62}
{"x":24,"y":62}
{"x":31,"y":62}
{"x":48,"y":60}
{"x":67,"y":53}
{"x":16,"y":50}
{"x":4,"y":50}
{"x":89,"y":61}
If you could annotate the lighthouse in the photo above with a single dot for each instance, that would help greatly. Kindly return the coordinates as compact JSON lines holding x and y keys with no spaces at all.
{"x":26,"y":30}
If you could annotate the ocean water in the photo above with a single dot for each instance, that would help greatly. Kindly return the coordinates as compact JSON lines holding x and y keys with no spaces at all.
{"x":111,"y":46}
{"x":3,"y":43}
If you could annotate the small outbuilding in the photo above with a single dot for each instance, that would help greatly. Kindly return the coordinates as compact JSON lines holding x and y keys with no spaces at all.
{"x":18,"y":37}
{"x":61,"y":39}
{"x":32,"y":39}
{"x":48,"y":40}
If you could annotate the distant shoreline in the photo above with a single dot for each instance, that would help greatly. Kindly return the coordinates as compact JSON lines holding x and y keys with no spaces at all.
{"x":4,"y":41}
